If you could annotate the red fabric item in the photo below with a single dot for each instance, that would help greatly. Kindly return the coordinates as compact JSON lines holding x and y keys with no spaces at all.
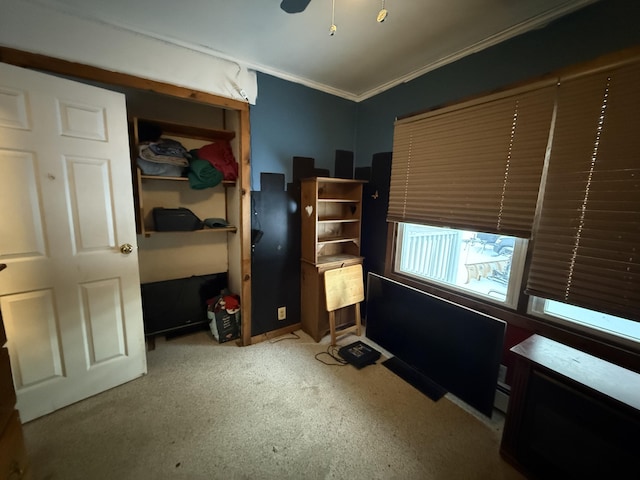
{"x":231,"y":302}
{"x":220,"y":155}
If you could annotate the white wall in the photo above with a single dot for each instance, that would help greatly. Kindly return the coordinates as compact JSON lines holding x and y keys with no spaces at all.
{"x":39,"y":29}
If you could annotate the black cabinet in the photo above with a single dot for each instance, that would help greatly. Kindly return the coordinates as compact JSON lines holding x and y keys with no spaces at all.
{"x":571,"y":415}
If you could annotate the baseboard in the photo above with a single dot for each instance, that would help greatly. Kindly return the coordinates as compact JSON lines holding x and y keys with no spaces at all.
{"x":275,"y":333}
{"x":501,"y":400}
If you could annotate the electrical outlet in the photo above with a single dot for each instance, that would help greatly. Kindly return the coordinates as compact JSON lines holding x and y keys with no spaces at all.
{"x":282,"y":313}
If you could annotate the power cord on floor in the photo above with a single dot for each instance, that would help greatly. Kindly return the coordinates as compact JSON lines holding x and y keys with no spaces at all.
{"x":279,"y":339}
{"x":332,"y":352}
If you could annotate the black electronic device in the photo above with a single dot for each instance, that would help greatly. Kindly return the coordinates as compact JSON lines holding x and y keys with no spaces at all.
{"x":359,"y":354}
{"x":458,"y":348}
{"x":170,"y":305}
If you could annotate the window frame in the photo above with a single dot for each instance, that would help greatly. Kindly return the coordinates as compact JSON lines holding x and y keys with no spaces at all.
{"x":514,"y":285}
{"x":536,"y":307}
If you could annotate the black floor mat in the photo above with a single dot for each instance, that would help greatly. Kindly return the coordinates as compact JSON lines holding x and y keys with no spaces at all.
{"x":420,"y":381}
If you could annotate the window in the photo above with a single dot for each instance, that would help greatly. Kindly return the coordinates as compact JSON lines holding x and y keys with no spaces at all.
{"x":553,"y":161}
{"x":586,"y":240}
{"x":482,"y":264}
{"x":609,"y":325}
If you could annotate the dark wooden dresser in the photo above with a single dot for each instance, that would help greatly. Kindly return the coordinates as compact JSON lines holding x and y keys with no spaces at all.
{"x":571,"y":415}
{"x":13,"y":455}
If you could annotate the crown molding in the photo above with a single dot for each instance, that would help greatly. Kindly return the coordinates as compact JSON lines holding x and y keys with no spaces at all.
{"x":539,"y":21}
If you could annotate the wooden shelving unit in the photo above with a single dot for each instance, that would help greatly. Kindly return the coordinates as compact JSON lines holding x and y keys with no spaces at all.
{"x":331,"y":210}
{"x":182,"y":133}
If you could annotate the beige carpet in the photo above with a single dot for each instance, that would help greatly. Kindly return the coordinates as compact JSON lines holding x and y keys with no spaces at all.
{"x":268,"y":411}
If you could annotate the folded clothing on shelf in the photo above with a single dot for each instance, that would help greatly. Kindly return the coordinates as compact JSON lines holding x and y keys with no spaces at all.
{"x":215,"y":222}
{"x":159,"y":169}
{"x":201,"y":173}
{"x":164,"y":151}
{"x":220,"y":155}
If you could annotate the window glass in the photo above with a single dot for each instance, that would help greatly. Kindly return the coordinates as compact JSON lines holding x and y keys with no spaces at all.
{"x":482,"y":264}
{"x":590,"y":319}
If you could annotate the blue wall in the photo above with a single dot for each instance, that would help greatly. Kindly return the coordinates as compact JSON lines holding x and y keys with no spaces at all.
{"x":292,"y":120}
{"x":597,"y":29}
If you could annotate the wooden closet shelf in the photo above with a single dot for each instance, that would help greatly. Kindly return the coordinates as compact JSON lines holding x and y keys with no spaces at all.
{"x":226,"y":183}
{"x":231,"y":229}
{"x":338,"y":220}
{"x":338,"y":200}
{"x":338,"y":239}
{"x":200,"y":133}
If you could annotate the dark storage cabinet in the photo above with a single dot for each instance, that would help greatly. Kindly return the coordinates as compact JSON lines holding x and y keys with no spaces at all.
{"x":571,"y":415}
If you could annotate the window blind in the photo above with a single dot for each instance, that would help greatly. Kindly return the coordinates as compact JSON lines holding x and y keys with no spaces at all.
{"x":474,"y":166}
{"x":587,"y":244}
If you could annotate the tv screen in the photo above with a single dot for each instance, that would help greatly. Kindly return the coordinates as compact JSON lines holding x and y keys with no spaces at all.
{"x":458,"y":348}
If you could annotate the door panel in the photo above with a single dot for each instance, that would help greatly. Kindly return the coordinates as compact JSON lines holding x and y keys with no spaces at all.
{"x":33,"y":327}
{"x":13,"y":109}
{"x":70,"y":298}
{"x":102,"y":313}
{"x":81,"y":121}
{"x":90,"y":204}
{"x":24,"y":219}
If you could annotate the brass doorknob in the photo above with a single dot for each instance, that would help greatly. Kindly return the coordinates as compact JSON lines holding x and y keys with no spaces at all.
{"x":126,"y":248}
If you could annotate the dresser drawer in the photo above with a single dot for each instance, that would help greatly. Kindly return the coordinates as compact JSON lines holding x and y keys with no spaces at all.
{"x":13,"y":455}
{"x":7,"y":393}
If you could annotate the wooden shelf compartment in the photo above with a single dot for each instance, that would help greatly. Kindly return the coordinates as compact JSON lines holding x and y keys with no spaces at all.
{"x":338,"y":200}
{"x":338,"y":220}
{"x":337,"y":239}
{"x":190,"y":131}
{"x":347,"y":249}
{"x":338,"y":260}
{"x":331,"y":217}
{"x":339,"y":190}
{"x":226,"y":183}
{"x":341,"y":231}
{"x":229,"y":229}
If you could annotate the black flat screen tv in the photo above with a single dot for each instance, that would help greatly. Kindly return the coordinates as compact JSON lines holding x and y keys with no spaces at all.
{"x":458,"y":348}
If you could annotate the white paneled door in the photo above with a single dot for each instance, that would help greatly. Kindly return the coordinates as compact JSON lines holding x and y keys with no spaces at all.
{"x":70,"y":296}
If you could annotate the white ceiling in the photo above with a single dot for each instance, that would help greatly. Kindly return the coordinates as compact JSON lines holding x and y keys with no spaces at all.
{"x":362,"y":59}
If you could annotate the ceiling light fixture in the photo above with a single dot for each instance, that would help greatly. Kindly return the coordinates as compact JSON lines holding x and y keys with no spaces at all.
{"x":333,"y":28}
{"x":382,"y":14}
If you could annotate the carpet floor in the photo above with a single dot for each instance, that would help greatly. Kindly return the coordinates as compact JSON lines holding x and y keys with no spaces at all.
{"x":269,"y":411}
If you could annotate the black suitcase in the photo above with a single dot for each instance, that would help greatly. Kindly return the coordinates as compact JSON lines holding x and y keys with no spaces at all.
{"x":175,"y":220}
